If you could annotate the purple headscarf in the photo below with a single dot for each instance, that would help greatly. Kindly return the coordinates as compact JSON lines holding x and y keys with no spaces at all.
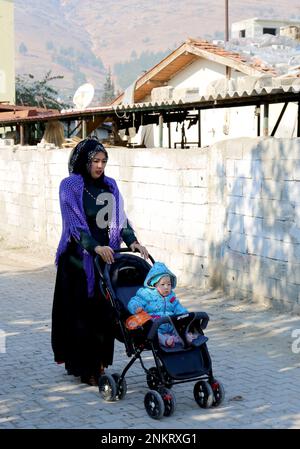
{"x":72,"y":211}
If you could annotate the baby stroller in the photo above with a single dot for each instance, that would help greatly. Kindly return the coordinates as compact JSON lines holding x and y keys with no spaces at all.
{"x":185,"y":362}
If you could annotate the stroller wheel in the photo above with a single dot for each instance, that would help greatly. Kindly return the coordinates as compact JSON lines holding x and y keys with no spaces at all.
{"x":121,"y":388}
{"x":219,"y":393}
{"x":169,"y":400}
{"x":203,"y":394}
{"x":154,"y":404}
{"x":107,"y":387}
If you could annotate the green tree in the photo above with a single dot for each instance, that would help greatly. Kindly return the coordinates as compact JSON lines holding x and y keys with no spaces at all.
{"x":108,"y":89}
{"x":32,"y":92}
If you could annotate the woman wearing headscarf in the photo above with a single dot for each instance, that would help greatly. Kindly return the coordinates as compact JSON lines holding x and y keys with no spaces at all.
{"x":93,"y":222}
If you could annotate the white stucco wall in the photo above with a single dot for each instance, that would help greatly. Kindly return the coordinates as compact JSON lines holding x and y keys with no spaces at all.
{"x":198,"y":74}
{"x":226,"y":215}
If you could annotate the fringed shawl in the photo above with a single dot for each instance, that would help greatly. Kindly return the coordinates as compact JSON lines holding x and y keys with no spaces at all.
{"x":74,"y":221}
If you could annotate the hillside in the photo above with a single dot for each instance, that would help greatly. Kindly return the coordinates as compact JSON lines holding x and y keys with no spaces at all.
{"x":81,"y":40}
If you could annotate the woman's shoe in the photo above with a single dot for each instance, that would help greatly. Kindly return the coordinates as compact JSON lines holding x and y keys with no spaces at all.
{"x":89,"y":380}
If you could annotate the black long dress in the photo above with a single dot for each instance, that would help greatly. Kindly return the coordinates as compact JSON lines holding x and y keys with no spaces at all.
{"x":82,"y":327}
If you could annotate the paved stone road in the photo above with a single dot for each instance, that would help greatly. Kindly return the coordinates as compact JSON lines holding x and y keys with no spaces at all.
{"x":251,"y":350}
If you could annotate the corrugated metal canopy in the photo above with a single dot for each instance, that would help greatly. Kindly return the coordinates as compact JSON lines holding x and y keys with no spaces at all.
{"x":222,"y":100}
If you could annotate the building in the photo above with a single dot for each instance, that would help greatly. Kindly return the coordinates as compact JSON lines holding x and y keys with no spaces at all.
{"x":7,"y":51}
{"x":197,"y":72}
{"x":253,"y":28}
{"x":199,"y":94}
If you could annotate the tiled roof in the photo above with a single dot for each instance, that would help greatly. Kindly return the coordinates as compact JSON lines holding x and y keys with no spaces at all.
{"x":12,"y":111}
{"x":187,"y":53}
{"x":257,"y":64}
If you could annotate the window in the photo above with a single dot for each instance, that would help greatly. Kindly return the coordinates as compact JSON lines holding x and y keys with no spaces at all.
{"x":242,"y":33}
{"x":270,"y":31}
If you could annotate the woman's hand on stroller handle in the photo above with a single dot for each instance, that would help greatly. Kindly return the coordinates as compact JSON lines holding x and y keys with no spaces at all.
{"x":106,"y":253}
{"x":135,"y":246}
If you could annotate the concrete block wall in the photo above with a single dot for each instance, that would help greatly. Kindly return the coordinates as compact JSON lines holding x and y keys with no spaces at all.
{"x":166,"y":198}
{"x":261,"y":241}
{"x":226,"y":215}
{"x":29,"y":206}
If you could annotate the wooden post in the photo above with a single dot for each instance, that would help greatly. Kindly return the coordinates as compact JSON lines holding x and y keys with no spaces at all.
{"x":257,"y":113}
{"x":83,"y":124}
{"x":22,"y":134}
{"x":266,"y":120}
{"x":161,"y":130}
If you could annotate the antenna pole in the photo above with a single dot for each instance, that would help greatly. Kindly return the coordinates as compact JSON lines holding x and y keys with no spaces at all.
{"x":226,"y":22}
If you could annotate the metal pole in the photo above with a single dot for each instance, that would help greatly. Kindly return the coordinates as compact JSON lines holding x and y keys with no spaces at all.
{"x":226,"y":22}
{"x":228,"y":70}
{"x":161,"y":130}
{"x":199,"y":128}
{"x":279,"y":119}
{"x":298,"y":121}
{"x":169,"y":134}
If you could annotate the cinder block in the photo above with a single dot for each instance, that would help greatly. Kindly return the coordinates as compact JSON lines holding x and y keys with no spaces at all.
{"x":192,"y":228}
{"x":251,"y":188}
{"x":235,"y":186}
{"x":253,"y":226}
{"x":292,"y":273}
{"x":237,"y":242}
{"x":235,"y":223}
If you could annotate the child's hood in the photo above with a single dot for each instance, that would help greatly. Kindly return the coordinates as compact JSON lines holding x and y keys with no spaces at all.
{"x":159,"y":270}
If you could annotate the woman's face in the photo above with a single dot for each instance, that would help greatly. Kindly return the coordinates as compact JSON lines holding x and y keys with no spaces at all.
{"x":98,"y":165}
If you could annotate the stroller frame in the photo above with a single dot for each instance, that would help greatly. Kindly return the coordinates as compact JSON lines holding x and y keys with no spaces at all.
{"x":160,"y":401}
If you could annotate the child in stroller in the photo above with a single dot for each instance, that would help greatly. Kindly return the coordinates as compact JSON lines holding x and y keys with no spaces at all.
{"x":119,"y":282}
{"x":157,"y":298}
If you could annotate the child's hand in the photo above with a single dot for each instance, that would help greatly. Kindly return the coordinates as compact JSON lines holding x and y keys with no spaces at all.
{"x":170,"y":342}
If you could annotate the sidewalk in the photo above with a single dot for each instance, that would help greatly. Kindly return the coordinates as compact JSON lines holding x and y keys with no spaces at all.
{"x":250,"y":346}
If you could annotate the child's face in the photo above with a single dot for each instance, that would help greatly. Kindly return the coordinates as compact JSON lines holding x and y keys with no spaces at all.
{"x":164,"y":286}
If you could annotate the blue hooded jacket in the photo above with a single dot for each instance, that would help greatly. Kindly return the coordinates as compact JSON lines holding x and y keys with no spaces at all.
{"x":150,"y":299}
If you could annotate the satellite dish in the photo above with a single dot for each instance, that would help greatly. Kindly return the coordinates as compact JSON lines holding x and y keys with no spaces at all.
{"x":83,"y":95}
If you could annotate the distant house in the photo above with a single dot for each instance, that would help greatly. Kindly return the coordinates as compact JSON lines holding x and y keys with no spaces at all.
{"x":200,"y":68}
{"x":7,"y":52}
{"x":253,"y":28}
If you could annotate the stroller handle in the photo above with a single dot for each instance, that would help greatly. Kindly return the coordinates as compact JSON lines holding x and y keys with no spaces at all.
{"x":129,"y":250}
{"x":120,"y":250}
